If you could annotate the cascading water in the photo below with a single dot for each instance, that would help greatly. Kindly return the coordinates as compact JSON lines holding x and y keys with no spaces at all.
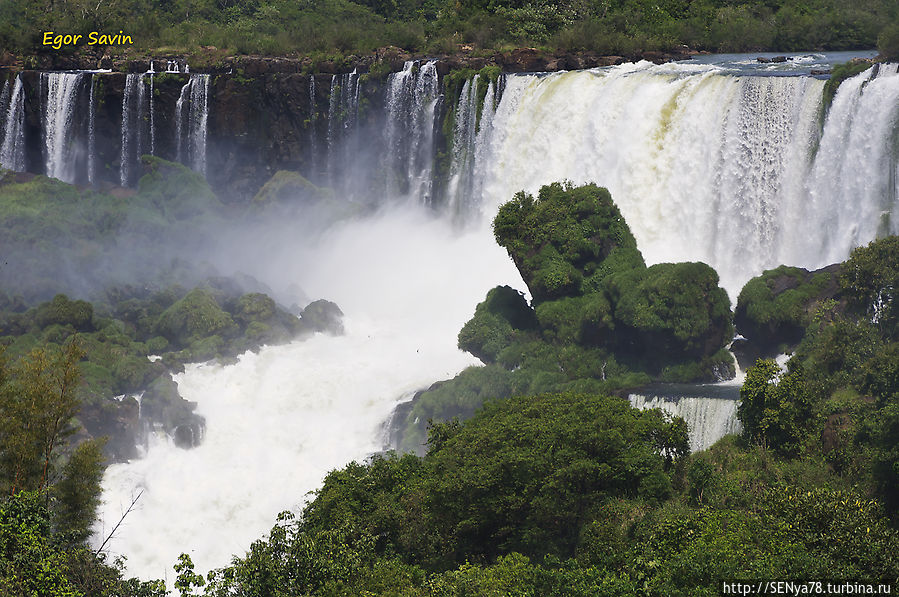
{"x":343,"y":135}
{"x":469,"y":133}
{"x":279,"y":420}
{"x":313,"y":118}
{"x":12,"y":150}
{"x":58,"y":123}
{"x":191,"y":143}
{"x":852,"y":194}
{"x":91,"y":134}
{"x":183,"y":98}
{"x":708,"y":418}
{"x":412,"y":98}
{"x":134,"y":121}
{"x":705,"y":164}
{"x":152,"y":101}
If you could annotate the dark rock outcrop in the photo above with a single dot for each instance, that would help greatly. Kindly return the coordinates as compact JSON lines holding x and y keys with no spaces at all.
{"x":161,"y":403}
{"x":774,"y":309}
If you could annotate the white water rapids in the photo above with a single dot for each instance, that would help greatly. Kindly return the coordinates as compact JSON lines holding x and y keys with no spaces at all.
{"x":736,"y":171}
{"x":278,"y":421}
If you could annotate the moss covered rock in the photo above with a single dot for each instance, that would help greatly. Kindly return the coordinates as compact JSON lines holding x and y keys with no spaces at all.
{"x":775,"y":309}
{"x":322,"y":316}
{"x":495,"y":323}
{"x":671,"y":311}
{"x":195,"y":317}
{"x":563,"y":237}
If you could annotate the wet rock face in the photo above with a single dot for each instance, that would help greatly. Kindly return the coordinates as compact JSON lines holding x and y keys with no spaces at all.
{"x":262,"y":114}
{"x":118,"y":421}
{"x":162,"y":404}
{"x":323,"y":316}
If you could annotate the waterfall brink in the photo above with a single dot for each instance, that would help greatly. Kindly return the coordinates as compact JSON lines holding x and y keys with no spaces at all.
{"x":191,"y":143}
{"x":12,"y":150}
{"x":412,"y":100}
{"x":708,"y":418}
{"x":706,"y":165}
{"x":59,"y":122}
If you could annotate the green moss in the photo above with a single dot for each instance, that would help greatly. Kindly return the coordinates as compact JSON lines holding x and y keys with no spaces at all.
{"x":840,"y":73}
{"x":674,"y":309}
{"x":285,"y":187}
{"x":496,"y":323}
{"x":561,"y":237}
{"x":777,"y":307}
{"x":193,"y":318}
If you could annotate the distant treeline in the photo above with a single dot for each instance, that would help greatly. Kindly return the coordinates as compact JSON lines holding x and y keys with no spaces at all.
{"x":286,"y":27}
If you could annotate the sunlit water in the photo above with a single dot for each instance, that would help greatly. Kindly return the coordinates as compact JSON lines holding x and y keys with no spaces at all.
{"x":279,"y":420}
{"x":706,"y":164}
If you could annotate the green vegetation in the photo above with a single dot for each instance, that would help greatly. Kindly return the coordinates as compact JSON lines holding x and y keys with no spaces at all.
{"x":840,"y":73}
{"x":601,"y":321}
{"x":59,"y":238}
{"x":569,"y":495}
{"x":578,"y":494}
{"x":774,"y":309}
{"x":336,"y":28}
{"x":127,"y":255}
{"x":51,"y":490}
{"x":553,"y":485}
{"x":888,"y":42}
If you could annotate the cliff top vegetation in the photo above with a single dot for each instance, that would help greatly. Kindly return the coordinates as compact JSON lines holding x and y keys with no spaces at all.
{"x":344,"y":27}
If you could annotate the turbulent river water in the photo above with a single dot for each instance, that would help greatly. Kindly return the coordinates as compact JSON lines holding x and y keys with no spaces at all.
{"x":721,"y":160}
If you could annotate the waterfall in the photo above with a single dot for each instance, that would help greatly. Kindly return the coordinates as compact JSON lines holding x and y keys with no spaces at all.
{"x":59,"y":120}
{"x":343,"y":134}
{"x":708,"y":418}
{"x":183,"y":98}
{"x":741,"y":171}
{"x":4,"y":96}
{"x":412,"y":98}
{"x":313,"y":118}
{"x":91,"y":133}
{"x":470,"y":131}
{"x":176,"y":66}
{"x":313,"y":405}
{"x":852,"y":194}
{"x":12,"y":150}
{"x":191,"y":144}
{"x":135,"y":108}
{"x":152,"y":117}
{"x":707,"y":165}
{"x":464,"y":136}
{"x":199,"y":116}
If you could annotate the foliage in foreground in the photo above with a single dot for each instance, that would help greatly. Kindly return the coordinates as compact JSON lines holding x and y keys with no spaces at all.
{"x":51,"y":487}
{"x":531,"y":497}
